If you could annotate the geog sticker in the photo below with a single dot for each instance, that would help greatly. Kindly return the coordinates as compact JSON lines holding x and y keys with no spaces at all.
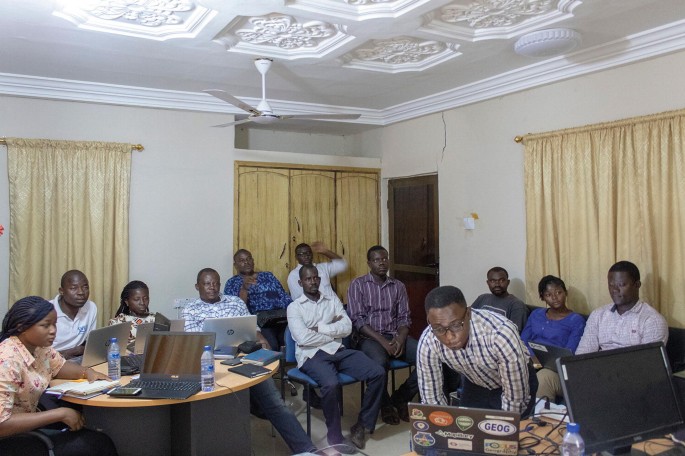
{"x":420,"y":425}
{"x":500,"y":447}
{"x":497,"y":427}
{"x":440,"y":418}
{"x":424,"y":439}
{"x":464,"y":422}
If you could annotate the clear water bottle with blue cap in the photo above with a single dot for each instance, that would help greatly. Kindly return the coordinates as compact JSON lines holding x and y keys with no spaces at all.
{"x":113,"y":360}
{"x":207,"y":369}
{"x":573,"y":444}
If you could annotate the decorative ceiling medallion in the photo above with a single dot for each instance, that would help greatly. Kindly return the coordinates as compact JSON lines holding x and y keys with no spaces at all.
{"x":357,"y":10}
{"x":282,"y":36}
{"x":400,"y":54}
{"x":153,"y":19}
{"x":497,"y":19}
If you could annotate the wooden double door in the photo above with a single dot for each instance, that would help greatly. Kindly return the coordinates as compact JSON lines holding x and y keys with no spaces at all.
{"x":280,"y":206}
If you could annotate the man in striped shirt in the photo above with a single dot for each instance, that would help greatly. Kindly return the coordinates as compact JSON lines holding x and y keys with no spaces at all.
{"x":482,"y":346}
{"x":379,"y":309}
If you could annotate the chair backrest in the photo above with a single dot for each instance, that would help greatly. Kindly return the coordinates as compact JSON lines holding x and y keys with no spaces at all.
{"x":289,"y":346}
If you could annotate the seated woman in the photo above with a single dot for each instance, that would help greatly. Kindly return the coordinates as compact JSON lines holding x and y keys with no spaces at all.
{"x":260,"y":291}
{"x":556,"y":325}
{"x":27,"y":364}
{"x":134,"y":308}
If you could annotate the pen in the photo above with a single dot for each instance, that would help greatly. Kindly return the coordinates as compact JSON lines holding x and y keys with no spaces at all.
{"x":65,"y":429}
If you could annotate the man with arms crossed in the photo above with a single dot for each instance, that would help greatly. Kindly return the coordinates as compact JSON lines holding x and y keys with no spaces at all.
{"x":500,"y":301}
{"x":379,"y":309}
{"x":76,"y":315}
{"x":304,"y":255}
{"x":318,"y":323}
{"x":483,"y":346}
{"x":628,"y":320}
{"x":264,"y":396}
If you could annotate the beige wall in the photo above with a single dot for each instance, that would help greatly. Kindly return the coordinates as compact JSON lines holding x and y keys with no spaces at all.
{"x":481,"y":169}
{"x":181,"y":208}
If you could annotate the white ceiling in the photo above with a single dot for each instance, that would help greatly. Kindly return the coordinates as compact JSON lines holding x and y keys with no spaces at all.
{"x":389,"y":60}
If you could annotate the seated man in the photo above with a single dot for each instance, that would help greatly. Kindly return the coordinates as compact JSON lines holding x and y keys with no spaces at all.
{"x":260,"y":291}
{"x":500,"y":301}
{"x":483,"y":346}
{"x":318,"y":323}
{"x":379,"y":309}
{"x":264,"y":396}
{"x":305,"y":254}
{"x":76,"y":315}
{"x":628,"y":320}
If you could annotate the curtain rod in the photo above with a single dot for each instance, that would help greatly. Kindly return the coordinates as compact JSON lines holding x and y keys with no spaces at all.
{"x":138,"y":147}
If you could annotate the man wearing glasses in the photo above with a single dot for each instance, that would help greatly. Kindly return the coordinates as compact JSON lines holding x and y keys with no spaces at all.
{"x":379,"y":309}
{"x":500,"y":301}
{"x":483,"y":347}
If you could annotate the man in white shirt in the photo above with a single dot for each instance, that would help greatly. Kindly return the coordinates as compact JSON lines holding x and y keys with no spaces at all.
{"x":76,"y":315}
{"x":304,"y":254}
{"x":318,"y":323}
{"x":628,"y":320}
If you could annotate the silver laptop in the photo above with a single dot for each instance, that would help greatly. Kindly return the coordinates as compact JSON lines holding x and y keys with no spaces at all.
{"x":162,"y":323}
{"x":547,"y":355}
{"x":230,"y":332}
{"x":98,"y":343}
{"x":142,"y":331}
{"x":446,"y":430}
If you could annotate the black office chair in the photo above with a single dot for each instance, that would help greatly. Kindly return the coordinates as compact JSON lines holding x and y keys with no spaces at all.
{"x":35,"y":436}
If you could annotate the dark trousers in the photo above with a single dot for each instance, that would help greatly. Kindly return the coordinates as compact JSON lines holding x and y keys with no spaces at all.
{"x":406,"y":392}
{"x":275,"y":336}
{"x":478,"y":397}
{"x":80,"y":443}
{"x":324,"y":369}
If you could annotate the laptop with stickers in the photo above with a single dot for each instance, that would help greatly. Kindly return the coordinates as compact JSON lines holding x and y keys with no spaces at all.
{"x":438,"y":430}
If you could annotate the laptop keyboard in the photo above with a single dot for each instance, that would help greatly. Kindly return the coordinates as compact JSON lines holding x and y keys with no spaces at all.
{"x":164,"y":385}
{"x":131,"y":364}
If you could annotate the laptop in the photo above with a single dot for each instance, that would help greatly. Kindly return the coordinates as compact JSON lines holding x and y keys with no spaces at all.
{"x":547,"y":355}
{"x":162,"y":323}
{"x":171,"y":369}
{"x":231,"y":332}
{"x":142,"y":331}
{"x":445,"y":430}
{"x":95,"y":351}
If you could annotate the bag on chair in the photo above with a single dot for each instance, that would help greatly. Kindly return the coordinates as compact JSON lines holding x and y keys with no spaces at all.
{"x":271,"y":318}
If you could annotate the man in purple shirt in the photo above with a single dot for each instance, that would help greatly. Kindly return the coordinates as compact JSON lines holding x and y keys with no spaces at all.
{"x":379,"y":309}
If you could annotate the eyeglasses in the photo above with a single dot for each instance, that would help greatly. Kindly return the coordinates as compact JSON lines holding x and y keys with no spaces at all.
{"x":455,"y":327}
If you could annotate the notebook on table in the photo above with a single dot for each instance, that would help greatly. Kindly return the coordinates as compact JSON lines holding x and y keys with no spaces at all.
{"x":171,"y":369}
{"x":445,"y":430}
{"x":547,"y":355}
{"x":230,"y":332}
{"x":95,"y":351}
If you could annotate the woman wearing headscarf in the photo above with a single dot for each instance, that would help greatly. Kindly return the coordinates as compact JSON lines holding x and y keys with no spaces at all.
{"x":27,"y":365}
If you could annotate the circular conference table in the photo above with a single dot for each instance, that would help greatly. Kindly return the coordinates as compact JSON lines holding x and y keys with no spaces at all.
{"x":211,"y":423}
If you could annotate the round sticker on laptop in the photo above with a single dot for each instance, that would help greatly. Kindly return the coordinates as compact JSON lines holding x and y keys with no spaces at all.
{"x":424,"y":439}
{"x":420,"y":425}
{"x":440,"y":418}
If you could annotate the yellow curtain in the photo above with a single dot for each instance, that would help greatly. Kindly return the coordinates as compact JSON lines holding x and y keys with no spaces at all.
{"x":599,"y":194}
{"x":69,"y":210}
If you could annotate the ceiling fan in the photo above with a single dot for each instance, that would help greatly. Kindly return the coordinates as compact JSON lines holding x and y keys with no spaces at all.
{"x":263,"y":114}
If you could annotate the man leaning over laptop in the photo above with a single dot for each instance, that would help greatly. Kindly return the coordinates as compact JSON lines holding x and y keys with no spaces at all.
{"x":483,"y":346}
{"x":264,"y":396}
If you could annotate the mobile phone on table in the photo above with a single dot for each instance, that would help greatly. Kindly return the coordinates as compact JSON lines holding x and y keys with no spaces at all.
{"x":231,"y":362}
{"x":123,"y":391}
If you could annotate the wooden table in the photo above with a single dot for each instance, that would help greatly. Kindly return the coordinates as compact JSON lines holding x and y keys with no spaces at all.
{"x":216,"y":422}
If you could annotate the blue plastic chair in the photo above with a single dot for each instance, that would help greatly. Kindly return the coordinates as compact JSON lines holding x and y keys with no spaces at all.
{"x":296,"y":375}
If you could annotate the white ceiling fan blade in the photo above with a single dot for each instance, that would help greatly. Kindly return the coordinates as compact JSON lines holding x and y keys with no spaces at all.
{"x":321,"y":116}
{"x":237,"y":122}
{"x":221,"y":95}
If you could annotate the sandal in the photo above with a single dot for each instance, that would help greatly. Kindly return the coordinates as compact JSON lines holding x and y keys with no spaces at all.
{"x":389,"y":415}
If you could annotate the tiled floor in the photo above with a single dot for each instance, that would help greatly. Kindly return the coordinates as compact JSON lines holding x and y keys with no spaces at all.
{"x":385,"y":441}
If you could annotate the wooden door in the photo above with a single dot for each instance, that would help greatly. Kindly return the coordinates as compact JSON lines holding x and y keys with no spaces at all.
{"x":414,"y":249}
{"x":312,"y":210}
{"x":262,"y":218}
{"x":357,"y":222}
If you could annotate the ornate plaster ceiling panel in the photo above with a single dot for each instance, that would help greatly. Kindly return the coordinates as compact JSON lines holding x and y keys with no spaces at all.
{"x":497,"y":19}
{"x":282,"y":36}
{"x":400,"y":54}
{"x":153,"y":19}
{"x":358,"y":10}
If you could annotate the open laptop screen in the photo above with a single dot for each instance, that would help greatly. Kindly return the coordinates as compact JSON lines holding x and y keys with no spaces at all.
{"x":175,"y":355}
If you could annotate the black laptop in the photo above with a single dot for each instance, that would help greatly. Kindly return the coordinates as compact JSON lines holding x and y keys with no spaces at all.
{"x":171,"y":369}
{"x":547,"y":355}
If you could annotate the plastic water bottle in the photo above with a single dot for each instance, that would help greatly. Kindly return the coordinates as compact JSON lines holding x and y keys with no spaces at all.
{"x":113,"y":360}
{"x":207,"y":368}
{"x":573,"y":444}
